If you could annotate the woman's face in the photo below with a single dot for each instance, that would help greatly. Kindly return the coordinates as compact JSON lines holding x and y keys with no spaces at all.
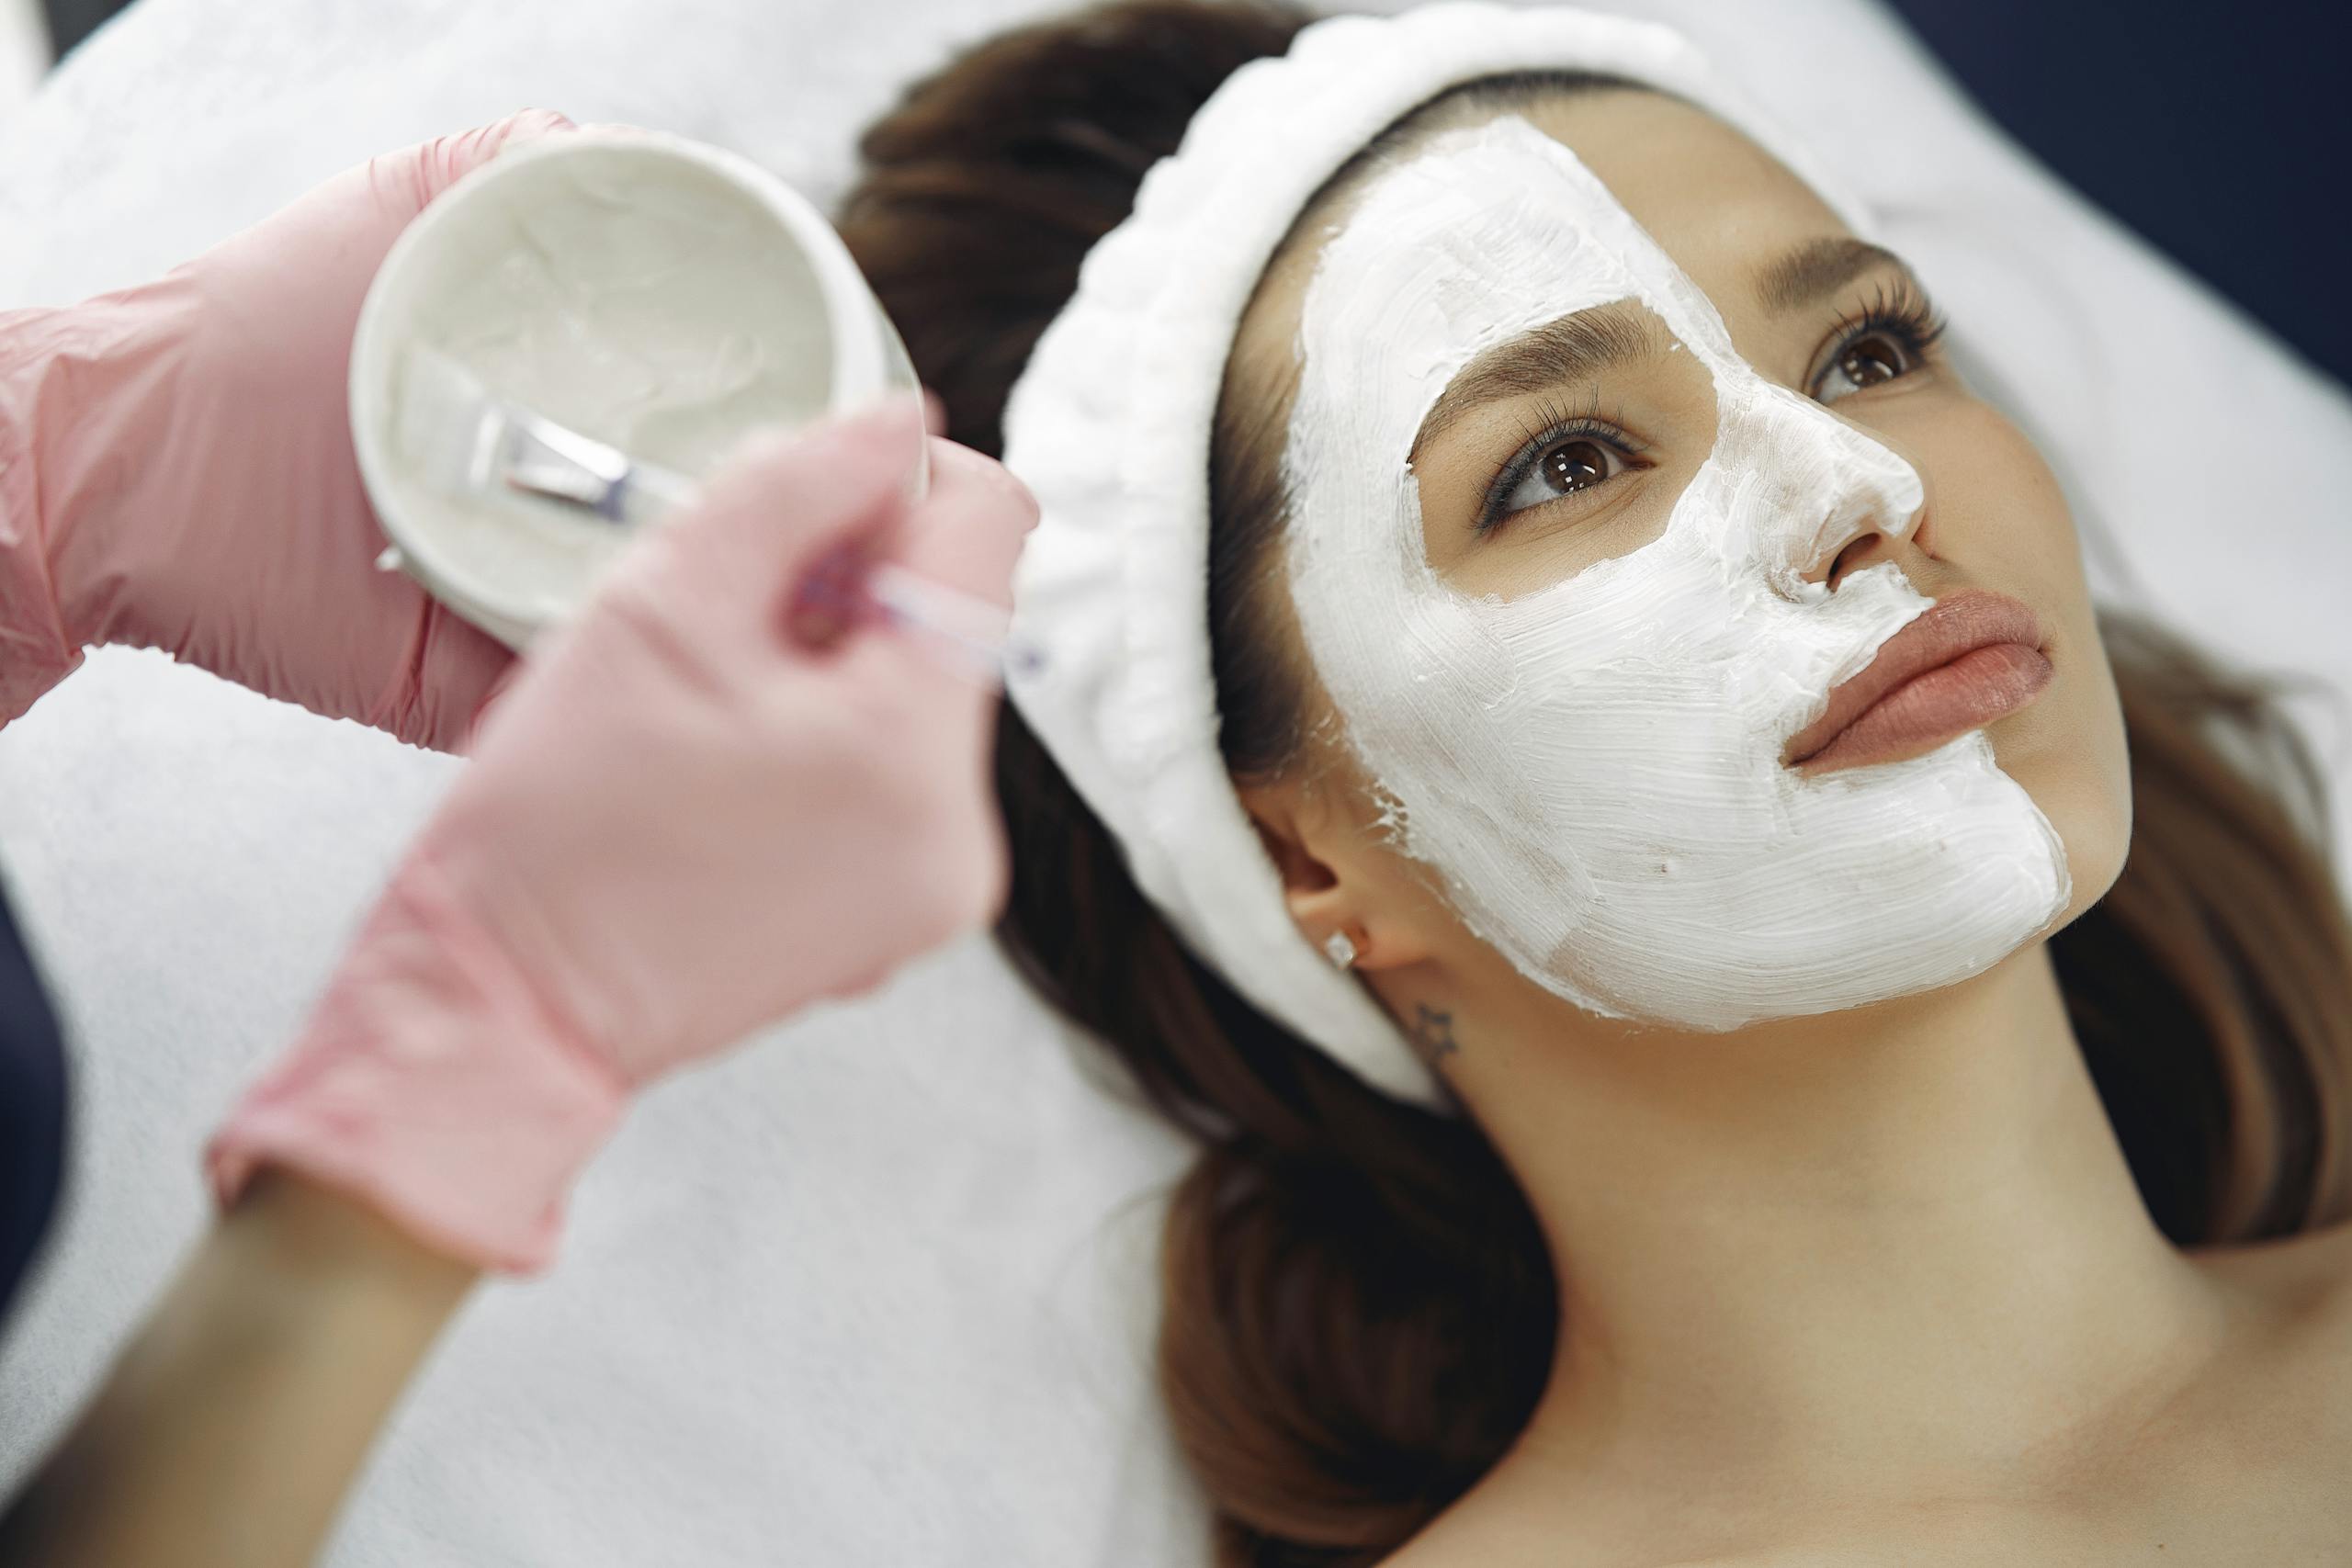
{"x":1613,"y":454}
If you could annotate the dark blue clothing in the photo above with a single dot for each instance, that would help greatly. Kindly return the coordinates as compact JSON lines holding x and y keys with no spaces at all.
{"x":32,"y":1111}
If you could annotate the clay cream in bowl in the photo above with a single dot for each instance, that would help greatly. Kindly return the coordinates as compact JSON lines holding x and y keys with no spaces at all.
{"x":650,"y":293}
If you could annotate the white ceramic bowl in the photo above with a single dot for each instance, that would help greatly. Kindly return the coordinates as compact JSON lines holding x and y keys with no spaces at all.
{"x":659,"y":295}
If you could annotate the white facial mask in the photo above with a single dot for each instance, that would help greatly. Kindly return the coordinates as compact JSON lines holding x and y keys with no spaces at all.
{"x":1593,"y":769}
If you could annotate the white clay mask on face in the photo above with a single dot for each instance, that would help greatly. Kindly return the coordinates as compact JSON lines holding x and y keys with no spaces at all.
{"x":1592,"y":769}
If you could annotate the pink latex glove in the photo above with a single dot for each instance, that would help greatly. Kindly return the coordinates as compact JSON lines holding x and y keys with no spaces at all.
{"x":177,"y":471}
{"x":680,"y":824}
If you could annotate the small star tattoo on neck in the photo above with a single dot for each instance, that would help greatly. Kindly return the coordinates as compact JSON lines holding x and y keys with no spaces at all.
{"x":1432,"y":1032}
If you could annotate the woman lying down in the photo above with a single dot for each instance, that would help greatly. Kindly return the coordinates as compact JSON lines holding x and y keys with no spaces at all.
{"x":1730,"y":1018}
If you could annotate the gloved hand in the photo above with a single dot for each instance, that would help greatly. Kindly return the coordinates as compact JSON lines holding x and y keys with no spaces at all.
{"x":680,"y":824}
{"x":177,"y":470}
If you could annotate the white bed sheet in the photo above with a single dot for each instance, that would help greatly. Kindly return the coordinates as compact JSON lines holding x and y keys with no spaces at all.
{"x":879,"y":1290}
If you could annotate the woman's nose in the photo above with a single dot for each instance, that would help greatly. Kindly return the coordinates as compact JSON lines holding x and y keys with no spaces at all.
{"x":1871,"y":501}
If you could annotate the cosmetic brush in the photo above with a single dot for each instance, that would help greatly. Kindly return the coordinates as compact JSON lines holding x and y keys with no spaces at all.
{"x":471,"y":443}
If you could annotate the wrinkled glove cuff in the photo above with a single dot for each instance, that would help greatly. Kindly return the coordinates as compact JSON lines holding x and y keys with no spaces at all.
{"x":35,"y":650}
{"x":434,"y":1085}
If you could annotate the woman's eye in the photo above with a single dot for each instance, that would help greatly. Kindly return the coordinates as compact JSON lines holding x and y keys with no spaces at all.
{"x":1864,"y":362}
{"x":1565,"y":466}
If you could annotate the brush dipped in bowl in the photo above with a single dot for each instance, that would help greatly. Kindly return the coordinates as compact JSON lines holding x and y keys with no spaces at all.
{"x":653,"y":295}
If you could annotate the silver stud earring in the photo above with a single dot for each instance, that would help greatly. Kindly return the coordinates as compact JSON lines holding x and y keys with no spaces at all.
{"x":1339,"y":948}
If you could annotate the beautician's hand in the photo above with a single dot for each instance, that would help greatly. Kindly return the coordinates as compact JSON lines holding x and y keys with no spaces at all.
{"x":680,"y":824}
{"x":177,"y":470}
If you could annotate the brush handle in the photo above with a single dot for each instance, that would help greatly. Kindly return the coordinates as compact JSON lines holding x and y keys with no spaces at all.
{"x":970,"y":634}
{"x":478,"y":443}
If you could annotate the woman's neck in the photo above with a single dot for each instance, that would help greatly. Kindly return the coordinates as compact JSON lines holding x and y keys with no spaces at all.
{"x":1885,"y":1254}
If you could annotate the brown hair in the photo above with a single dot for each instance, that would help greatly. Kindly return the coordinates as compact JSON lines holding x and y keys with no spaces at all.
{"x":1359,"y":1310}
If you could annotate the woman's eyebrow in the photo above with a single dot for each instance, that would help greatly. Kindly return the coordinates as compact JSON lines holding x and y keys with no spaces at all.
{"x":1818,"y":268}
{"x":1580,"y":347}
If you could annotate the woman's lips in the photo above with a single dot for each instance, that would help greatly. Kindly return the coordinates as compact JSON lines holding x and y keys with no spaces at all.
{"x":1969,"y":659}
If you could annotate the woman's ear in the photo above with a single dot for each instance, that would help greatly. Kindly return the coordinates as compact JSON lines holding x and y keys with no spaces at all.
{"x":1330,"y":867}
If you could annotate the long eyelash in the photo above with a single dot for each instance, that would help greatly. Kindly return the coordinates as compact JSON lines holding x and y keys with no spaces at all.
{"x":1551,"y":424}
{"x":1898,"y":309}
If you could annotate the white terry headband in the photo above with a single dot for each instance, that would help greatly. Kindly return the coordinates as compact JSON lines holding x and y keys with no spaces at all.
{"x":1110,"y":427}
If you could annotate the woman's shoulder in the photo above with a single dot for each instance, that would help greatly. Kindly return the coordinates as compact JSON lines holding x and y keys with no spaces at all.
{"x":2294,"y":1298}
{"x":2300,"y":1285}
{"x":2274,"y":1412}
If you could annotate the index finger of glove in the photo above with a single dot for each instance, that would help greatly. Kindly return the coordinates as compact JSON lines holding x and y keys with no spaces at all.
{"x":783,"y":503}
{"x":967,"y":532}
{"x":963,"y":536}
